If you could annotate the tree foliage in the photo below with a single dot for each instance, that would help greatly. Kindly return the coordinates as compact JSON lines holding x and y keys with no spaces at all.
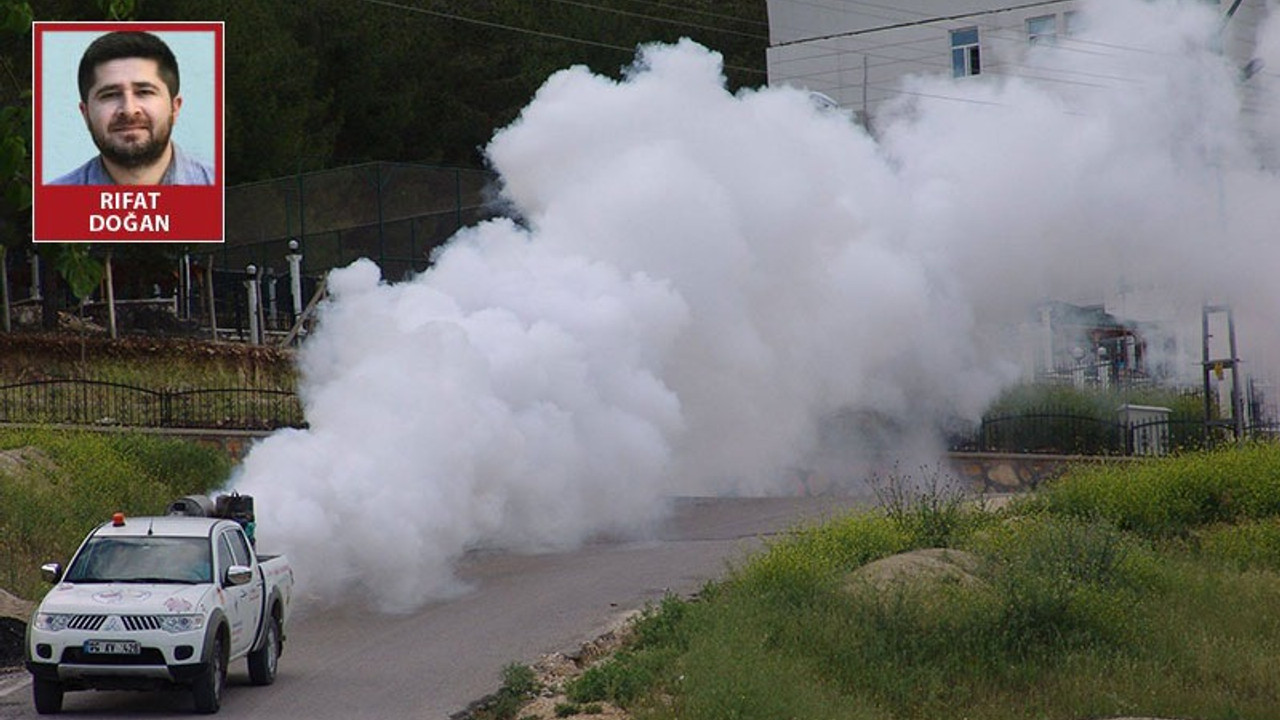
{"x":335,"y":82}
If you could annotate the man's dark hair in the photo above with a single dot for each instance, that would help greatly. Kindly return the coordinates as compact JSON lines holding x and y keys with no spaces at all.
{"x":128,"y":44}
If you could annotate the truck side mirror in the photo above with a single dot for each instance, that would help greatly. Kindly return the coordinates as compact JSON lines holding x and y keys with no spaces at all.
{"x":239,"y":575}
{"x":51,"y":572}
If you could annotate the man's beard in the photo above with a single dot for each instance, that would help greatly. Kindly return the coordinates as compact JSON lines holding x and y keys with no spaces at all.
{"x":135,"y":155}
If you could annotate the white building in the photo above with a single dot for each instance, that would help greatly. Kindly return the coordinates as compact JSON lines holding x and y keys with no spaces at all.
{"x":857,"y":52}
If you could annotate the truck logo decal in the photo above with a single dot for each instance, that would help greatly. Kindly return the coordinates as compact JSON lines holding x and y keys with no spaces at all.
{"x":175,"y":604}
{"x":115,"y":597}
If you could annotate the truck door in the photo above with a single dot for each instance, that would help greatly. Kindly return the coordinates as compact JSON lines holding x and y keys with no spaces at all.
{"x":244,"y":602}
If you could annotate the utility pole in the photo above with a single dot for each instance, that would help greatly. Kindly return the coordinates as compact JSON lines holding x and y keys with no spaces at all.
{"x":1216,"y":368}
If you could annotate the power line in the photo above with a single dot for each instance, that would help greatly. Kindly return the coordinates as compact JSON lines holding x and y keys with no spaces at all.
{"x":1065,"y":43}
{"x":527,"y":31}
{"x":695,"y":11}
{"x":970,"y":101}
{"x":668,"y":21}
{"x":497,"y":25}
{"x":929,"y":60}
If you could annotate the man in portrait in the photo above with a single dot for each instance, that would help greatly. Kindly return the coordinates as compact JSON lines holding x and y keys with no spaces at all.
{"x":130,"y":100}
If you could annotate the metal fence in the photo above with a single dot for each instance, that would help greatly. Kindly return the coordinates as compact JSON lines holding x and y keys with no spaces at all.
{"x":1066,"y":433}
{"x":1046,"y":432}
{"x":392,"y":213}
{"x":92,"y":402}
{"x":395,"y":214}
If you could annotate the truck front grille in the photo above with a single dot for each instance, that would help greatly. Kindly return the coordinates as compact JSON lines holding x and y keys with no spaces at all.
{"x":86,"y":622}
{"x":141,"y":622}
{"x":130,"y":622}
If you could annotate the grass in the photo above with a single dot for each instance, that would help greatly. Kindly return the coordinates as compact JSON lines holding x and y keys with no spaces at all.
{"x":183,"y":374}
{"x":60,"y":484}
{"x":1141,"y":590}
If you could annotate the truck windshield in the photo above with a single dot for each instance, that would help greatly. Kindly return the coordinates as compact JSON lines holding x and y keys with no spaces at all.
{"x":143,"y":560}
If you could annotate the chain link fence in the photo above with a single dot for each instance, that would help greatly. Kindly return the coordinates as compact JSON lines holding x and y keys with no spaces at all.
{"x":395,"y":214}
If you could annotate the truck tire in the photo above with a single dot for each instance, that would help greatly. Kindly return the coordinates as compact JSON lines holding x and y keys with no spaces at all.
{"x":207,"y":688}
{"x":264,"y":660}
{"x":47,"y":695}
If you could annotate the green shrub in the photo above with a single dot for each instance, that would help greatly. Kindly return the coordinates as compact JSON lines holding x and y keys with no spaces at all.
{"x":1168,"y":497}
{"x":1063,"y":582}
{"x":663,"y":626}
{"x":519,"y":685}
{"x":622,"y":679}
{"x":932,"y":511}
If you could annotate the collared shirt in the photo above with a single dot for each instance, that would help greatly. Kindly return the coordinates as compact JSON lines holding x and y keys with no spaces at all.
{"x":183,"y":170}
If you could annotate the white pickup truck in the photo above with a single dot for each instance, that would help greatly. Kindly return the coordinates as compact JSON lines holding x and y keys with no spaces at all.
{"x":154,"y":602}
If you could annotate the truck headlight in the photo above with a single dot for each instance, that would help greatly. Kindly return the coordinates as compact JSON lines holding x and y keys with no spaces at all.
{"x":181,"y":623}
{"x":52,"y":622}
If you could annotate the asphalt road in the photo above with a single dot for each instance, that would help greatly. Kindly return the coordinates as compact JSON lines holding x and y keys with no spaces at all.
{"x":347,"y":662}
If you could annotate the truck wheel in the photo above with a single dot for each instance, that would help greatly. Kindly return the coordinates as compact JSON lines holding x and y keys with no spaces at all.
{"x":47,"y":694}
{"x":207,"y":688}
{"x":264,"y":660}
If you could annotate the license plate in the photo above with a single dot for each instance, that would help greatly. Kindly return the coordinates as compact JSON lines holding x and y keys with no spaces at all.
{"x":112,"y":647}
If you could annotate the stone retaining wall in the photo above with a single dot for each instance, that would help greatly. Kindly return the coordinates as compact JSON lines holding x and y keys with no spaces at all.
{"x":1008,"y":472}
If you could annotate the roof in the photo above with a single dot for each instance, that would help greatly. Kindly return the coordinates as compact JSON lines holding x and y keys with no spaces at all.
{"x":167,"y":525}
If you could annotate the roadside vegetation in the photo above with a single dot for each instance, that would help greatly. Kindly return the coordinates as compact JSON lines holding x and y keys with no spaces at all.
{"x":55,"y":485}
{"x":151,"y":363}
{"x":1130,"y":590}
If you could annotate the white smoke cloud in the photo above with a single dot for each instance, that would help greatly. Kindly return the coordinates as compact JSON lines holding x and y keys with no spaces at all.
{"x":699,"y":279}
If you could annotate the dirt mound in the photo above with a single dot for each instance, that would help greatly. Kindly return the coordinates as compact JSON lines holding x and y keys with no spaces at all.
{"x":920,"y":568}
{"x":15,"y":607}
{"x":23,"y":458}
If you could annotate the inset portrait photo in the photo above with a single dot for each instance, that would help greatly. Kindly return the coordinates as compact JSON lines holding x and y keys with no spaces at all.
{"x":128,"y":132}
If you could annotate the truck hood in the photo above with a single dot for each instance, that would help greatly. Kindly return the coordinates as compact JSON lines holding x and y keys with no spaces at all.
{"x":126,"y":599}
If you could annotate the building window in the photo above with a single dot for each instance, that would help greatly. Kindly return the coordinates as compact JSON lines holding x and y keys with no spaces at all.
{"x":1071,"y":21}
{"x":1043,"y":29}
{"x":966,"y":57}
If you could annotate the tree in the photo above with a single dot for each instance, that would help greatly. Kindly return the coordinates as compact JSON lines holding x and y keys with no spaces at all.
{"x":15,"y":128}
